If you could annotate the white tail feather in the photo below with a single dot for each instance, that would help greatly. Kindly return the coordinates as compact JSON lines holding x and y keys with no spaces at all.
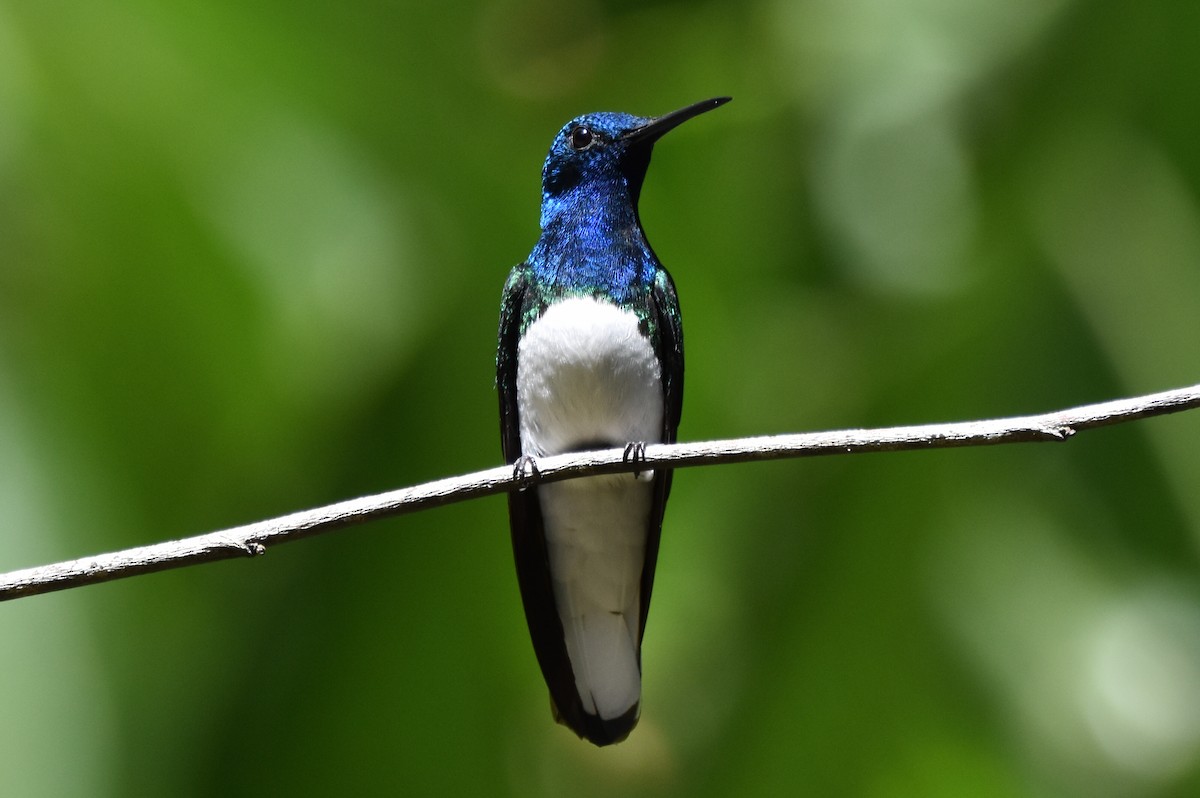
{"x":605,"y":661}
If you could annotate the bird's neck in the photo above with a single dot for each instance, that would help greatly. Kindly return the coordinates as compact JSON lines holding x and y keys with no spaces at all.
{"x":610,"y":200}
{"x":592,"y":240}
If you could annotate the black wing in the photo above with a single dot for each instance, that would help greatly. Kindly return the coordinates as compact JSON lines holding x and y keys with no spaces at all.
{"x":513,"y":310}
{"x":666,"y":333}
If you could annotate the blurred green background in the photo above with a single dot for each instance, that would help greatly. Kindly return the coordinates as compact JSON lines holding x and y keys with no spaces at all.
{"x":250,"y":262}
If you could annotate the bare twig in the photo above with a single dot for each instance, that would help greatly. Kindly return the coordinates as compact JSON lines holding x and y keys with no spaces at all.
{"x":253,"y":539}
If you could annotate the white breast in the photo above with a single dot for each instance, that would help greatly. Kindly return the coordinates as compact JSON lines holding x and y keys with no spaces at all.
{"x":587,"y":378}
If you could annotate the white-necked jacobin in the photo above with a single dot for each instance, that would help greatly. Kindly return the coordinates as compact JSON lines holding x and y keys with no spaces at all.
{"x":591,"y":357}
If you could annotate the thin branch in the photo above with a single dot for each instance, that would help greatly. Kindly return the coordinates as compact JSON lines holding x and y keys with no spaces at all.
{"x":253,"y":539}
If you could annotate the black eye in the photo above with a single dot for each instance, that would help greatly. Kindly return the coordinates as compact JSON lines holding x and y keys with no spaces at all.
{"x":581,"y":138}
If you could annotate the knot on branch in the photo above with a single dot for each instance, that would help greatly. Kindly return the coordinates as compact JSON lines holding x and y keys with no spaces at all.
{"x":1061,"y":432}
{"x":250,"y":548}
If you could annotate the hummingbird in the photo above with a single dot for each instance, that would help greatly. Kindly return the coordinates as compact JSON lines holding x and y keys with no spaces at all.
{"x":590,"y":356}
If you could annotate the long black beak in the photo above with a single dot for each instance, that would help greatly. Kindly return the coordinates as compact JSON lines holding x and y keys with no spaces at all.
{"x":655,"y":128}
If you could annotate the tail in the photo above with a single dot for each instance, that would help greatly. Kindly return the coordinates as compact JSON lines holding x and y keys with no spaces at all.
{"x":605,"y":704}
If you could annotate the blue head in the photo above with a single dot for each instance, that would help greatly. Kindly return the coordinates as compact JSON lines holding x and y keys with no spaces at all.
{"x":601,"y":158}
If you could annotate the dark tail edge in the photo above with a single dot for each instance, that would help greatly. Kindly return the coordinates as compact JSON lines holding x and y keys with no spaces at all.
{"x":595,"y":729}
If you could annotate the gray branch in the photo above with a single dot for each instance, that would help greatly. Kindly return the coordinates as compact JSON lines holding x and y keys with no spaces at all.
{"x":254,"y":539}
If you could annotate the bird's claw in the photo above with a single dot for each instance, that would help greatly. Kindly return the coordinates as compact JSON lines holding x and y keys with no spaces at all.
{"x":635,"y":452}
{"x":525,"y":471}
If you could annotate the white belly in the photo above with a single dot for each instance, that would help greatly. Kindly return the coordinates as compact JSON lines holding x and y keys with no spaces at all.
{"x":587,"y":378}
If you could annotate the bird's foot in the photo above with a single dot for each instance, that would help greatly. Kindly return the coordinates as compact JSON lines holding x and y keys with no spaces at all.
{"x":525,"y":472}
{"x":635,"y":452}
